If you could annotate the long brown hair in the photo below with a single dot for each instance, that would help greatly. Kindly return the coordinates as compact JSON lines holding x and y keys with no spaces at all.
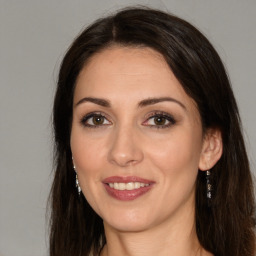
{"x":226,"y":227}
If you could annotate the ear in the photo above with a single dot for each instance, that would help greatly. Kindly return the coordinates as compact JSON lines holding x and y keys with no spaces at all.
{"x":211,"y":149}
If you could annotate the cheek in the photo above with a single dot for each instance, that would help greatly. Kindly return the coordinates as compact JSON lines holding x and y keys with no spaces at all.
{"x":88,"y":159}
{"x":175,"y":162}
{"x":87,"y":152}
{"x":175,"y":152}
{"x":176,"y":159}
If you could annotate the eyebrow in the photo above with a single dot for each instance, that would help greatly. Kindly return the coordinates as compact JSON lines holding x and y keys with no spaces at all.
{"x":98,"y":101}
{"x":143,"y":103}
{"x":152,"y":101}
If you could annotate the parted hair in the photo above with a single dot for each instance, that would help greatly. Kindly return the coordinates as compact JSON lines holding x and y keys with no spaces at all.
{"x":226,"y":226}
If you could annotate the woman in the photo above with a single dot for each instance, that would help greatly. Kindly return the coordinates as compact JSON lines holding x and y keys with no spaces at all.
{"x":149,"y":154}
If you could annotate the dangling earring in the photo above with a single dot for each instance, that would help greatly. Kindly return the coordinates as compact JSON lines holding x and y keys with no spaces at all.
{"x":208,"y":187}
{"x":78,"y":186}
{"x":77,"y":181}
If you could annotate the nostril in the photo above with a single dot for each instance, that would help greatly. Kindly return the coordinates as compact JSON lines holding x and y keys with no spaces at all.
{"x":125,"y":159}
{"x":124,"y":148}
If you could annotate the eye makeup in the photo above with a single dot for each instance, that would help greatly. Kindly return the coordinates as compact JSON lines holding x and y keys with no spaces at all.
{"x":94,"y":120}
{"x":155,"y":119}
{"x":159,"y":120}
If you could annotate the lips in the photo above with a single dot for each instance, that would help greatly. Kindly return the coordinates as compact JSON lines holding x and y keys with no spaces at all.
{"x":127,"y":188}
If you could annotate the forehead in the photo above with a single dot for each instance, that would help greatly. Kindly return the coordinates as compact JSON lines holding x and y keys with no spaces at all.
{"x":127,"y":60}
{"x":139,"y":73}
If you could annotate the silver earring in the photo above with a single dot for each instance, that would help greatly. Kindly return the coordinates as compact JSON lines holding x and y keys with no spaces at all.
{"x":208,"y":187}
{"x":78,"y":186}
{"x":77,"y":182}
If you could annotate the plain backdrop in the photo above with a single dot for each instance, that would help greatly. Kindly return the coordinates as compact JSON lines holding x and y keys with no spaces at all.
{"x":34,"y":37}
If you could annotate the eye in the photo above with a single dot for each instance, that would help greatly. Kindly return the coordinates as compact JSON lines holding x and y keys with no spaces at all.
{"x":160,"y":120}
{"x":95,"y":120}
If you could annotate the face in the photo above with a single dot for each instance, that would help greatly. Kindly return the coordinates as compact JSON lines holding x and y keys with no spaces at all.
{"x":136,"y":139}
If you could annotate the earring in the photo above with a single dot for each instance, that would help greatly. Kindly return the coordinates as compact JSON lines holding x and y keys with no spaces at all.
{"x":77,"y":182}
{"x":208,"y":187}
{"x":78,"y":186}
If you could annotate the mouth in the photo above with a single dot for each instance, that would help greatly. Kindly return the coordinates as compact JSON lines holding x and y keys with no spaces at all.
{"x":127,"y":188}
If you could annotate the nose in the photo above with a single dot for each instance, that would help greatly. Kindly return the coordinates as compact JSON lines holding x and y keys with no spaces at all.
{"x":126,"y":147}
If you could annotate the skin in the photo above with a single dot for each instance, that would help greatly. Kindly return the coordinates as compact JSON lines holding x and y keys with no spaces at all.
{"x":130,"y":142}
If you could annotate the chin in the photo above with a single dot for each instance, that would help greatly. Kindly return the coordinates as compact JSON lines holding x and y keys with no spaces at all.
{"x":131,"y":221}
{"x":125,"y":226}
{"x":127,"y":221}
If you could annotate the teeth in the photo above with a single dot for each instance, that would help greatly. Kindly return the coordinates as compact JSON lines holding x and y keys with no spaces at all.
{"x":127,"y":186}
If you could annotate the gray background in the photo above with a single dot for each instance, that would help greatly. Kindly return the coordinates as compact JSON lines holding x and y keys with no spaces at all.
{"x":34,"y":37}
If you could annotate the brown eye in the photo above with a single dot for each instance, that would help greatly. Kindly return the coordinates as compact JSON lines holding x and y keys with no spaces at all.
{"x":95,"y":120}
{"x":98,"y":120}
{"x":159,"y":120}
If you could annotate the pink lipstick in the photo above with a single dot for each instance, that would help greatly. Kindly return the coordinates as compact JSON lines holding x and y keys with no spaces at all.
{"x":127,"y":188}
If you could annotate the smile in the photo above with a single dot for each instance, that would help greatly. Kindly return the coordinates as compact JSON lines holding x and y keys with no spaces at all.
{"x":127,"y":188}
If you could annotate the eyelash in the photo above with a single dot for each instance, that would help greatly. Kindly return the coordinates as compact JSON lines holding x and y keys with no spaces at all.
{"x":85,"y":119}
{"x":159,"y":114}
